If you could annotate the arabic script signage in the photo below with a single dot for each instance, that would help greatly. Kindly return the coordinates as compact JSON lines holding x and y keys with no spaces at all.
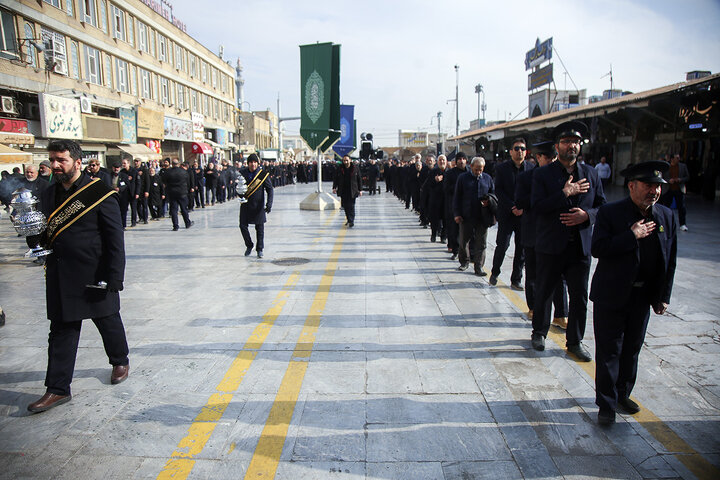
{"x":150,"y":123}
{"x":60,"y":117}
{"x":198,"y":125}
{"x":539,"y":54}
{"x":178,"y":129}
{"x":12,"y":125}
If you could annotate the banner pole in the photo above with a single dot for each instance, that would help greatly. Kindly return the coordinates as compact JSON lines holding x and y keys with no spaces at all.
{"x":319,"y":160}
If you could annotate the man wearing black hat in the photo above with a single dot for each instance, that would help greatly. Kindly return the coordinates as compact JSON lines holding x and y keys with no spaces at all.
{"x":259,"y":183}
{"x":545,"y":154}
{"x":565,"y":198}
{"x":635,"y":242}
{"x":449,"y":184}
{"x":509,"y":216}
{"x":348,"y":186}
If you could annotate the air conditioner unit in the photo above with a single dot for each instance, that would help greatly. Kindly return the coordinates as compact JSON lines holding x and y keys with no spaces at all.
{"x":7,"y":105}
{"x":55,"y":53}
{"x":85,"y":105}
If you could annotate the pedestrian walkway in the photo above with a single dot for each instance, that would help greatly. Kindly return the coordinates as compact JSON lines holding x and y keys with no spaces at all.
{"x":347,"y":353}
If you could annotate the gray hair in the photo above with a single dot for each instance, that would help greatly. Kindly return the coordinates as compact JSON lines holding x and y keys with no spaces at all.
{"x":479,"y":160}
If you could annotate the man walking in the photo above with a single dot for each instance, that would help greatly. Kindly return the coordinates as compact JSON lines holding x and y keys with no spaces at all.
{"x":635,"y":242}
{"x":508,"y":215}
{"x":84,"y":272}
{"x":253,"y":211}
{"x":565,"y":198}
{"x":348,"y":186}
{"x":177,"y":185}
{"x":449,"y":183}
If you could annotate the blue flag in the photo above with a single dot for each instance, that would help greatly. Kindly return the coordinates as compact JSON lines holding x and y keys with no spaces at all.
{"x":346,"y":144}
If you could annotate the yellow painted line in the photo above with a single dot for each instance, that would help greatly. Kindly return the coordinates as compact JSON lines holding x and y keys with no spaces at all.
{"x":696,"y":463}
{"x":266,"y":457}
{"x":181,"y":461}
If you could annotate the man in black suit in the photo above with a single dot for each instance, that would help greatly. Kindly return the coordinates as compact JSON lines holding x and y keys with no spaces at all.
{"x":94,"y":171}
{"x":508,"y":215}
{"x":348,"y":186}
{"x":449,"y":184}
{"x":565,"y":198}
{"x":255,"y":209}
{"x":635,"y":242}
{"x":84,"y":272}
{"x":177,"y":184}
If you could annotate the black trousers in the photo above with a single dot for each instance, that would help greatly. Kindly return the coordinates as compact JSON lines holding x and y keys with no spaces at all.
{"x":259,"y":235}
{"x":679,"y":198}
{"x":560,"y":298}
{"x":63,"y":344}
{"x":348,"y":204}
{"x":619,"y":335}
{"x":125,"y":202}
{"x":372,"y":184}
{"x":505,"y":230}
{"x":453,"y":233}
{"x":473,"y":240}
{"x":575,"y":267}
{"x":142,"y":204}
{"x":181,"y":202}
{"x":199,"y":197}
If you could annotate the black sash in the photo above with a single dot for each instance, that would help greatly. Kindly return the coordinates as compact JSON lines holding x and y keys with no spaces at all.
{"x":256,"y":182}
{"x":77,"y":205}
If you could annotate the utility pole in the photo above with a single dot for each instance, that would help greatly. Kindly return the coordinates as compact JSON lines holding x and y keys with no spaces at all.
{"x":440,"y":138}
{"x":481,"y":105}
{"x":280,"y":148}
{"x":457,"y":103}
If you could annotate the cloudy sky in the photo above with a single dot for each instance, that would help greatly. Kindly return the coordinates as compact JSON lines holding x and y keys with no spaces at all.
{"x":398,"y":56}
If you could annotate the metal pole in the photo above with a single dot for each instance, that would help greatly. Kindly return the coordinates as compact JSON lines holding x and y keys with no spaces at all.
{"x":319,"y":167}
{"x":280,"y":149}
{"x":457,"y":103}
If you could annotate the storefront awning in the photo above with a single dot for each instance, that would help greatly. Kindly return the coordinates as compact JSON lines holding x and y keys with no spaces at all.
{"x":201,"y":148}
{"x":11,"y":155}
{"x":140,"y":151}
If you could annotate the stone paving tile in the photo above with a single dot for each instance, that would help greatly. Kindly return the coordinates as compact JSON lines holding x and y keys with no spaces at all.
{"x":405,"y":470}
{"x":489,"y":470}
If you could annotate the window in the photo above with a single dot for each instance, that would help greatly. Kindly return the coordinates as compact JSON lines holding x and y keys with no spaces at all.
{"x":162,"y":48}
{"x":193,"y":70}
{"x":74,"y":60}
{"x":122,"y":81}
{"x":92,"y":62}
{"x":118,"y":22}
{"x":224,"y":82}
{"x":203,"y":67}
{"x":193,"y":100}
{"x":206,"y":105}
{"x":8,"y":44}
{"x":156,"y":92}
{"x":164,"y":91}
{"x":133,"y":81}
{"x":108,"y":71}
{"x":178,"y":57}
{"x":69,"y":8}
{"x":142,"y":37}
{"x":31,"y":52}
{"x":214,"y":77}
{"x":151,"y":36}
{"x":180,"y":96}
{"x":131,"y":31}
{"x":145,"y":89}
{"x":103,"y":16}
{"x":55,"y":52}
{"x":54,"y":3}
{"x":88,"y":12}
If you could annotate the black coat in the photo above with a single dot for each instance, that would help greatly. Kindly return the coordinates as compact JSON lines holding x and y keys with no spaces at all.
{"x":157,"y":190}
{"x":355,"y":181}
{"x":618,"y":253}
{"x":469,"y":192}
{"x":505,"y":178}
{"x":91,"y":250}
{"x":523,"y":190}
{"x":449,"y":183}
{"x":253,"y":211}
{"x":177,"y":183}
{"x":548,"y":202}
{"x":433,"y":191}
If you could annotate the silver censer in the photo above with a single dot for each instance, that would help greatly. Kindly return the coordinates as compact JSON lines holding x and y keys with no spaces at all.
{"x":28,"y":221}
{"x":241,"y":188}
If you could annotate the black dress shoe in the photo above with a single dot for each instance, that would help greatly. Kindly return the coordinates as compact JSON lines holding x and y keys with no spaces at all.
{"x":248,"y":251}
{"x":606,"y":417}
{"x":175,"y":229}
{"x":190,"y":224}
{"x":48,"y":401}
{"x":454,"y":256}
{"x":463,"y":267}
{"x":538,"y":342}
{"x":517,"y":287}
{"x":493,"y":280}
{"x":480,"y":272}
{"x":629,"y":406}
{"x":580,"y":352}
{"x":119,"y":374}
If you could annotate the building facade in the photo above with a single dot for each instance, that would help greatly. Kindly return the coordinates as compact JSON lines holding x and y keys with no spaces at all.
{"x":123,"y":78}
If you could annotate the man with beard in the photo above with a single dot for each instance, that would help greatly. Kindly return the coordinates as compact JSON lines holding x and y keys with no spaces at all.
{"x":94,"y":171}
{"x":125,"y":187}
{"x":435,"y":204}
{"x":33,"y":182}
{"x":449,"y":183}
{"x":508,"y":215}
{"x":199,"y":186}
{"x":84,"y":272}
{"x":565,"y":197}
{"x":143,"y":190}
{"x":635,"y":242}
{"x":255,"y":209}
{"x":373,"y":173}
{"x":129,"y":196}
{"x":157,"y":194}
{"x":211,"y":180}
{"x":177,"y":185}
{"x":348,"y":186}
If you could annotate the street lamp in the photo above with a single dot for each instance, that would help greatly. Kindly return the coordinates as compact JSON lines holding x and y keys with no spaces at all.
{"x":457,"y":103}
{"x":481,"y":105}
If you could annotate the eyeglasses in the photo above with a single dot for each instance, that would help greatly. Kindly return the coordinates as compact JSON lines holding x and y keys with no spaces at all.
{"x":569,"y":141}
{"x":519,"y":149}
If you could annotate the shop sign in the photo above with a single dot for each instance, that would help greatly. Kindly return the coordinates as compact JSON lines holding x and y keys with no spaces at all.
{"x":12,"y":125}
{"x":60,"y":117}
{"x":539,"y":54}
{"x":178,"y":129}
{"x":150,"y":123}
{"x":198,"y":125}
{"x":222,"y":137}
{"x":129,"y":125}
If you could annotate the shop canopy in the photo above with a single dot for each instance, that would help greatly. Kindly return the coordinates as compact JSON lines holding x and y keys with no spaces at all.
{"x":11,"y":155}
{"x":140,"y":151}
{"x":202,"y":148}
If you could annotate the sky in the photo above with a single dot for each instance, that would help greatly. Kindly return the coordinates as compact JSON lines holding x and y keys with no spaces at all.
{"x":397,"y":56}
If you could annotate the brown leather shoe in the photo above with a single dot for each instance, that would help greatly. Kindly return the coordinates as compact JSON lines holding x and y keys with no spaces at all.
{"x":119,"y":374}
{"x":48,"y":401}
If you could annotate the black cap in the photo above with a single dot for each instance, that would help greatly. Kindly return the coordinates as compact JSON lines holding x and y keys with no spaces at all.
{"x":460,"y":155}
{"x":573,"y":128}
{"x":546,"y":147}
{"x":253,"y":158}
{"x":648,"y":172}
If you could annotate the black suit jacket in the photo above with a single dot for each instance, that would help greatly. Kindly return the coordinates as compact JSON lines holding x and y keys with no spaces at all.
{"x":548,"y":202}
{"x":523,"y":190}
{"x":505,"y":180}
{"x":618,"y":253}
{"x":253,"y":211}
{"x":90,"y":250}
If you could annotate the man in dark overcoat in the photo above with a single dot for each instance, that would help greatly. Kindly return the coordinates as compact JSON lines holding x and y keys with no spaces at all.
{"x":84,"y":272}
{"x":435,"y":205}
{"x":635,"y":242}
{"x":177,"y":185}
{"x":565,"y":198}
{"x":449,"y":183}
{"x":253,"y":211}
{"x":348,"y":186}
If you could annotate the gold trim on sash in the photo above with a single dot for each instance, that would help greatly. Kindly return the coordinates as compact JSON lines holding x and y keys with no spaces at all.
{"x":73,"y":209}
{"x":255,"y":184}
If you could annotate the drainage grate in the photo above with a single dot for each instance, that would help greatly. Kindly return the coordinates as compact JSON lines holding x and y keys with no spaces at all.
{"x":290,"y":261}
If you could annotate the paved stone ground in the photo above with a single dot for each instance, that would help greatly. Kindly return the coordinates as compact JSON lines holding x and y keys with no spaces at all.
{"x":408,"y":368}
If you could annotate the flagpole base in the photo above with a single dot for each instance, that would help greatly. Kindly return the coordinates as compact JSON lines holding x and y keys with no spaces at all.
{"x":320,"y":201}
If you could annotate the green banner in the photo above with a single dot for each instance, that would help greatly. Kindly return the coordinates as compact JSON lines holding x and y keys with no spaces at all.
{"x":320,"y":94}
